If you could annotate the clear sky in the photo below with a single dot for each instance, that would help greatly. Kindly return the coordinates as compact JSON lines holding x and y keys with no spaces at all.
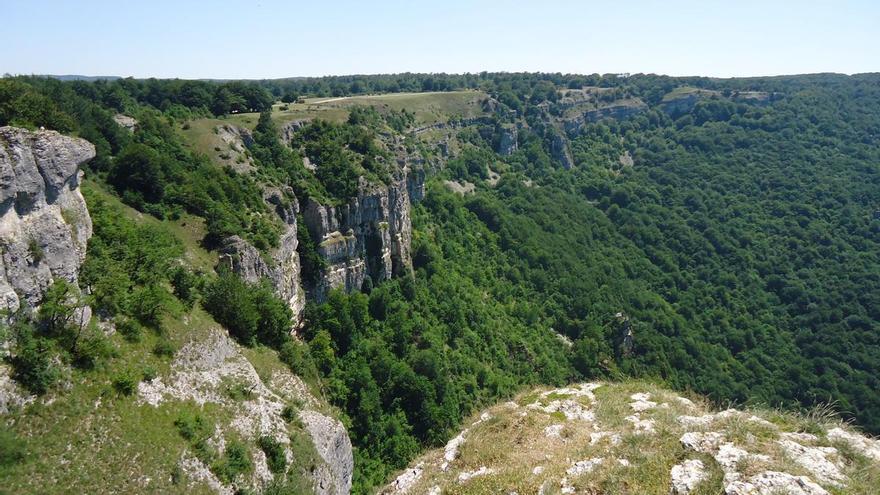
{"x":274,"y":38}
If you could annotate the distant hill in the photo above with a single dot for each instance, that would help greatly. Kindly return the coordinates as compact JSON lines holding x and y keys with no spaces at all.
{"x":78,"y":77}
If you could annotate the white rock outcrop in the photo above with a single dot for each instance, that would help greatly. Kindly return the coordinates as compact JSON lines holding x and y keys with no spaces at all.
{"x":532,"y":446}
{"x":466,"y":475}
{"x":816,"y":460}
{"x":203,"y":372}
{"x":128,"y":123}
{"x":641,"y":402}
{"x":237,"y":140}
{"x":868,"y":447}
{"x":773,"y":483}
{"x":44,"y":222}
{"x":687,"y":476}
{"x":406,"y":480}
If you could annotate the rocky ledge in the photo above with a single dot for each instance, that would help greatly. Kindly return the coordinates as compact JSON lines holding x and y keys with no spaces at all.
{"x":639,"y":438}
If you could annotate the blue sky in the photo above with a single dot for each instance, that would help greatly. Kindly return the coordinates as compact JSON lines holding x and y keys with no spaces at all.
{"x":270,"y":38}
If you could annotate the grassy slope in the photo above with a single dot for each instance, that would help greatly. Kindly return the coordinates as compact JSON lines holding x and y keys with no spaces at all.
{"x":685,"y":91}
{"x":513,"y":444}
{"x":429,"y":108}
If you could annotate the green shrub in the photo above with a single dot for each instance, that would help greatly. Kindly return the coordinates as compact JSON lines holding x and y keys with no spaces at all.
{"x":185,"y":284}
{"x":125,"y":382}
{"x":193,"y":427}
{"x":130,"y":329}
{"x":250,"y":313}
{"x":149,"y":303}
{"x":91,"y":349}
{"x":235,"y":461}
{"x":274,"y":454}
{"x":239,"y":391}
{"x":36,"y":251}
{"x":149,"y":373}
{"x":296,"y":355}
{"x":164,"y":348}
{"x":177,"y":475}
{"x":288,"y":413}
{"x":31,"y":360}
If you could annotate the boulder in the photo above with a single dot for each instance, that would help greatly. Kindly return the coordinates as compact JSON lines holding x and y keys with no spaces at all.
{"x":128,"y":123}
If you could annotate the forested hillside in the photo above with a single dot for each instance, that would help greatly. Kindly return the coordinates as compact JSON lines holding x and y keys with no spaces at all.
{"x":721,"y":236}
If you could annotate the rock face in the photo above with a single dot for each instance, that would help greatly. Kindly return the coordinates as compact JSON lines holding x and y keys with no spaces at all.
{"x":129,"y":123}
{"x":687,"y":476}
{"x":755,"y":97}
{"x":369,"y":236}
{"x":237,"y":140}
{"x":283,"y":267}
{"x":624,"y":340}
{"x":45,"y":223}
{"x":333,"y":445}
{"x":678,"y":103}
{"x":683,"y":104}
{"x":290,"y":128}
{"x":507,"y":141}
{"x":560,"y":151}
{"x":617,"y":110}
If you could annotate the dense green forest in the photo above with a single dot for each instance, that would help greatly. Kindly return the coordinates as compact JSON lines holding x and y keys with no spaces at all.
{"x":741,"y":244}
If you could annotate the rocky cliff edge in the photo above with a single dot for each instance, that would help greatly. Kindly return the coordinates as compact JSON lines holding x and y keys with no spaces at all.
{"x":45,"y":224}
{"x":639,"y":438}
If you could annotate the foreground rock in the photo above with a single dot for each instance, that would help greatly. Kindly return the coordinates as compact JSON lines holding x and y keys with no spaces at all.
{"x":45,"y":224}
{"x":638,"y":438}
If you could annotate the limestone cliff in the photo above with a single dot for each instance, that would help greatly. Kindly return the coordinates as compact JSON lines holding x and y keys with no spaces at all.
{"x":682,"y":100}
{"x":680,"y":105}
{"x":560,"y":150}
{"x":282,"y":268}
{"x":45,"y":223}
{"x":369,"y":236}
{"x":508,"y":140}
{"x":289,"y":129}
{"x":236,"y":141}
{"x":616,"y":110}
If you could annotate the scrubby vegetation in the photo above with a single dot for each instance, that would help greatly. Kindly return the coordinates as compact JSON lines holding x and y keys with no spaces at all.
{"x":252,"y":314}
{"x":742,"y":247}
{"x":737,"y":240}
